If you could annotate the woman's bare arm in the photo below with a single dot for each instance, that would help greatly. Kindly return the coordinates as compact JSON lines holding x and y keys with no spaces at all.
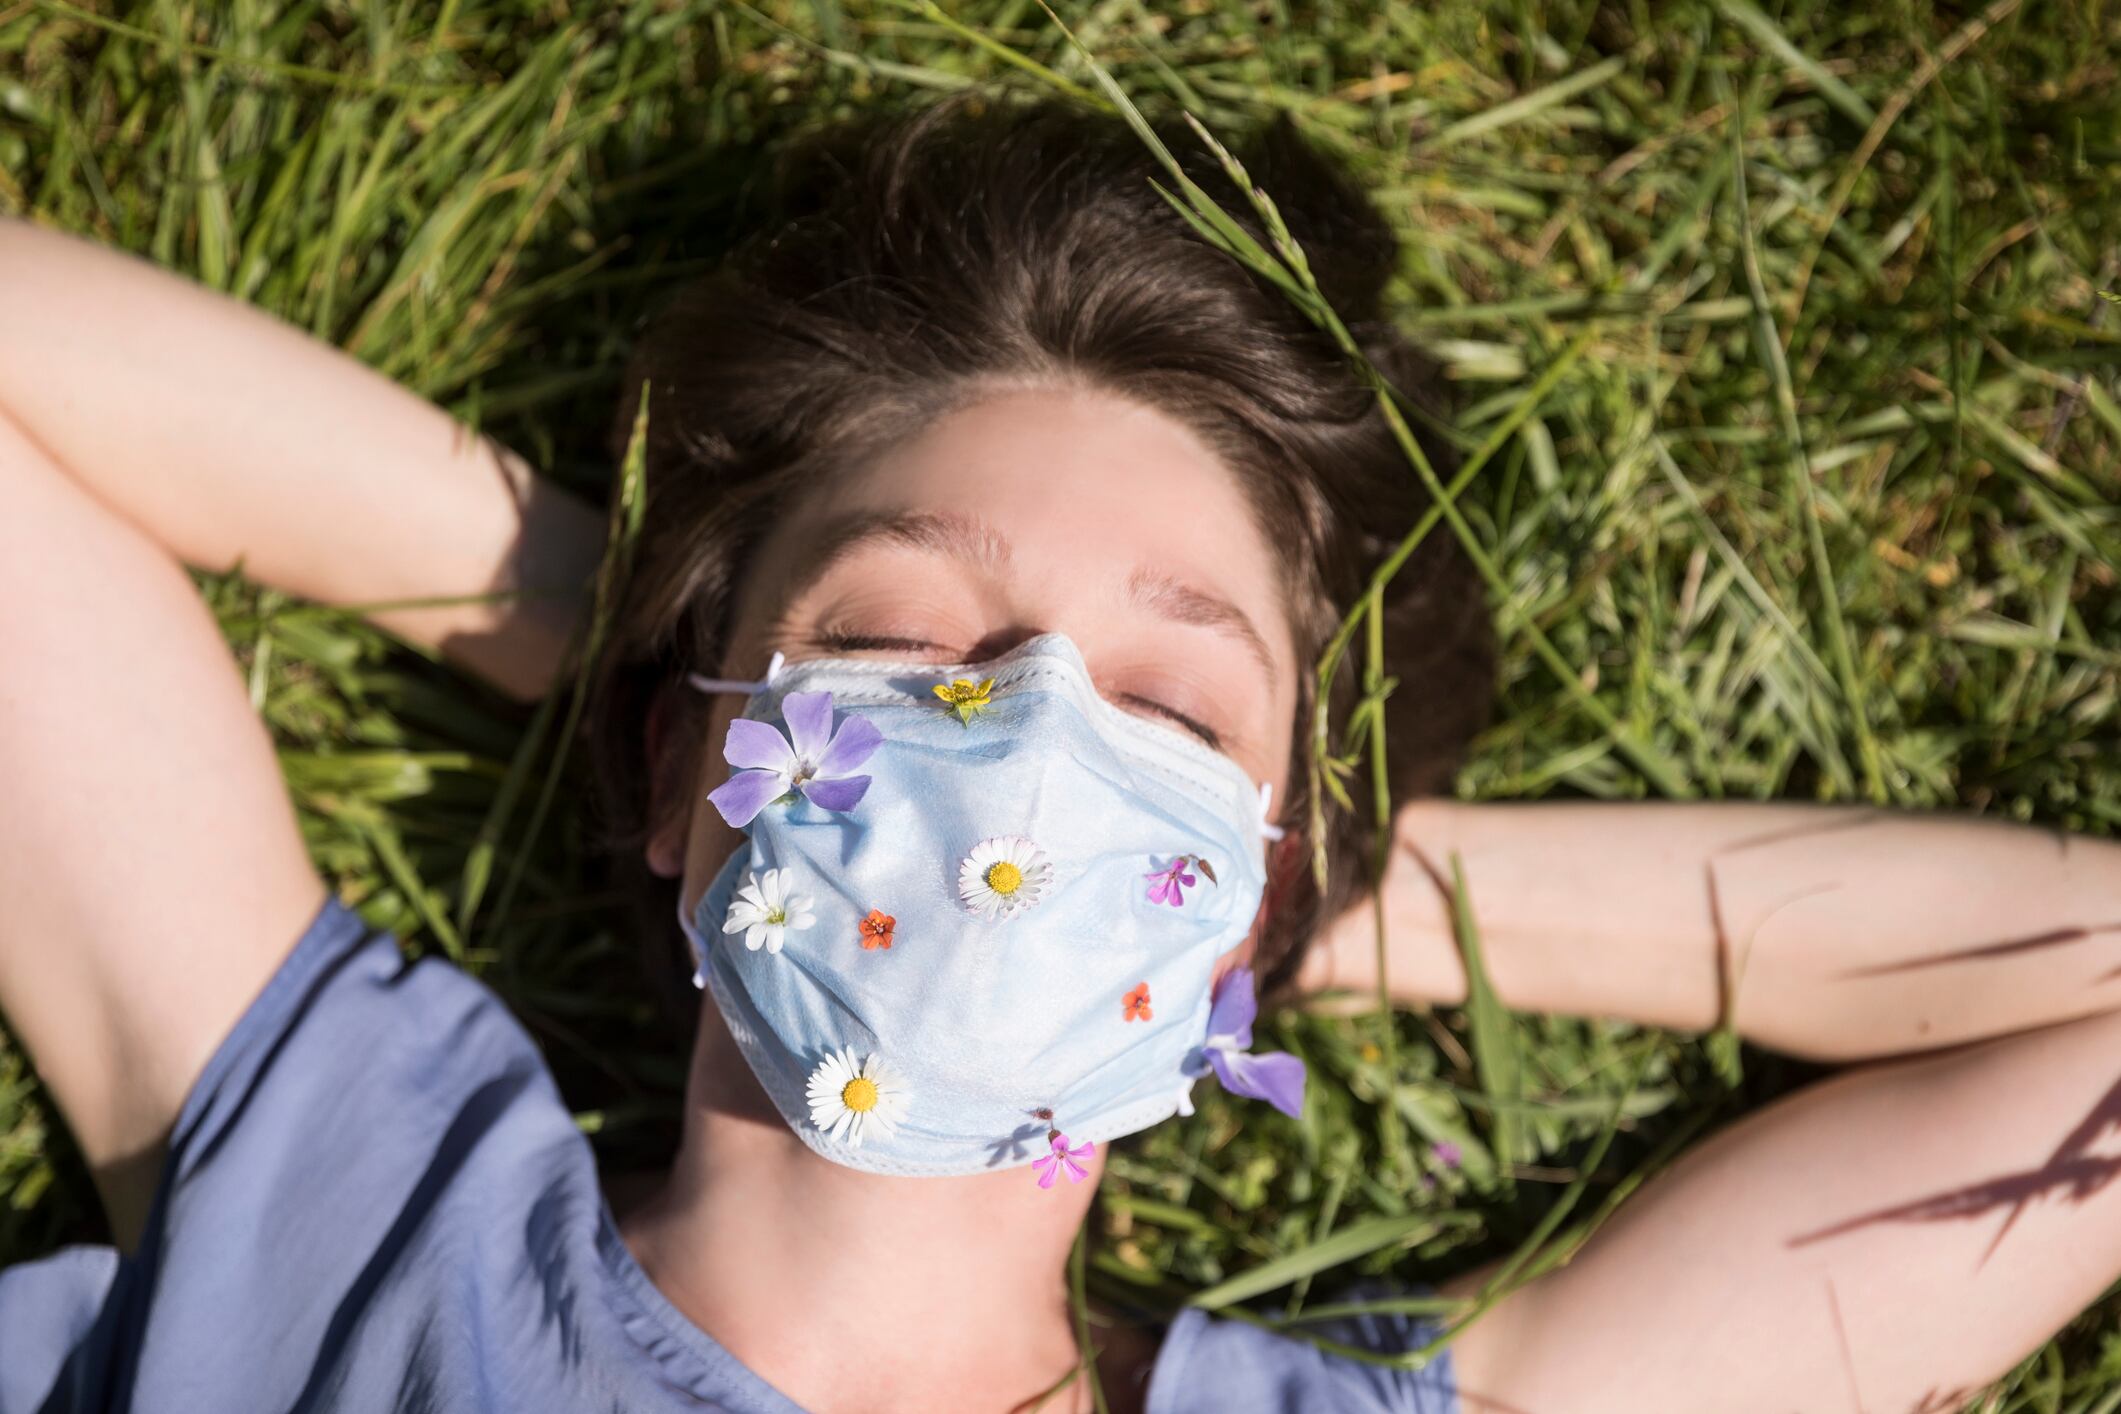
{"x":224,"y":434}
{"x":1837,"y":933}
{"x":151,"y":875}
{"x":1887,"y":1240}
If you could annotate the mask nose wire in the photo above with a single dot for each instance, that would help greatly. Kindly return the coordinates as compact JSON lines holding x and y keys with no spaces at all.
{"x":1267,"y":828}
{"x":716,"y":685}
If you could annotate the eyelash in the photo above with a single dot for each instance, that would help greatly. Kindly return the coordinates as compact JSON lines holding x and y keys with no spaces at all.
{"x":862,"y":642}
{"x":1199,"y":729}
{"x":868,"y":643}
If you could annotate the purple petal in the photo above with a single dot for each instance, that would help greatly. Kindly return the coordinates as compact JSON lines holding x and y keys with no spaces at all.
{"x":1235,"y":1007}
{"x":745,"y":794}
{"x":842,"y":794}
{"x":1076,"y":1172}
{"x":1160,"y":890}
{"x":809,"y":717}
{"x":1276,"y":1077}
{"x":855,"y":742}
{"x":757,"y":745}
{"x":1047,"y":1170}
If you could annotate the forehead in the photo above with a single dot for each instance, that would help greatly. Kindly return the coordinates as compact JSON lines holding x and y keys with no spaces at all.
{"x":1079,"y":480}
{"x":1053,"y":508}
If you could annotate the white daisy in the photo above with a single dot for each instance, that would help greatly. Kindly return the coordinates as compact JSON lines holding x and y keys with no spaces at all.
{"x":767,"y":908}
{"x":846,"y":1099}
{"x":1003,"y":876}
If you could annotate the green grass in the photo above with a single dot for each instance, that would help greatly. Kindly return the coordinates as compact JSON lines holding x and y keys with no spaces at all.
{"x":1783,"y":360}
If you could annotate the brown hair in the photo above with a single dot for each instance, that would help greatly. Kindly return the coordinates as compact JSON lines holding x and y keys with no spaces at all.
{"x":916,"y":257}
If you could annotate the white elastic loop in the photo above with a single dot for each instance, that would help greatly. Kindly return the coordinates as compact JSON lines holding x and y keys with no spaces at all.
{"x":1268,"y":828}
{"x":699,"y":973}
{"x":707,"y":684}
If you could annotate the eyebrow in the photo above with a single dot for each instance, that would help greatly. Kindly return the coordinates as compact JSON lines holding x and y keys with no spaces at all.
{"x":957,"y":535}
{"x":966,"y":537}
{"x":1184,"y":603}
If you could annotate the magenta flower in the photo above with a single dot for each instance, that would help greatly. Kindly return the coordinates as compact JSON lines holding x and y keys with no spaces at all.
{"x":1447,"y":1153}
{"x":1165,"y":884}
{"x":813,"y":760}
{"x":1062,"y":1157}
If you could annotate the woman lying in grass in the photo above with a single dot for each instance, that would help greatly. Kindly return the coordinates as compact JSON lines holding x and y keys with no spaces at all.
{"x":953,"y":709}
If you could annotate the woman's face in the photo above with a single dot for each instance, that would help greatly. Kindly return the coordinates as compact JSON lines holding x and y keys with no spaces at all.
{"x":1044,"y":510}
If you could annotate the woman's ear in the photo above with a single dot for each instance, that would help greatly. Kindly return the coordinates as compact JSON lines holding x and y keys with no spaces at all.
{"x":665,"y":849}
{"x":1285,"y":860}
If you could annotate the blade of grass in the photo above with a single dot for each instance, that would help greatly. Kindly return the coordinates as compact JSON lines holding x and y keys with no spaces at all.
{"x":1537,"y":101}
{"x":1080,"y":1301}
{"x":1749,"y":18}
{"x":1376,"y":688}
{"x":1355,"y":1241}
{"x":628,"y":501}
{"x":1768,"y":344}
{"x":1495,"y":1039}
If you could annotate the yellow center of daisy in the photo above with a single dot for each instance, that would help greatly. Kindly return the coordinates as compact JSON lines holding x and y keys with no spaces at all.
{"x":859,"y":1095}
{"x":1004,"y":877}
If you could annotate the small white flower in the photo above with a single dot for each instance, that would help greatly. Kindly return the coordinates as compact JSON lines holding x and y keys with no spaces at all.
{"x":766,"y":909}
{"x":1003,"y":876}
{"x":845,"y":1099}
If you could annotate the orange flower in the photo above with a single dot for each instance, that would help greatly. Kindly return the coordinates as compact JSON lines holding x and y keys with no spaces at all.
{"x":876,"y":929}
{"x":1138,"y":1002}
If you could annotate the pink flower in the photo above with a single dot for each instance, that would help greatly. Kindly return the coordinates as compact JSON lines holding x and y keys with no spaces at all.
{"x":1062,"y":1157}
{"x":1165,"y":884}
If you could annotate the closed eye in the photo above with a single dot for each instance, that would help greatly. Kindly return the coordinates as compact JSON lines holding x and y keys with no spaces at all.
{"x":840,"y":642}
{"x":1199,"y":729}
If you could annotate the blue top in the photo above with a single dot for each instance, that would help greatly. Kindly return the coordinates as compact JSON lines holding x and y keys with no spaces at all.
{"x":376,"y":1199}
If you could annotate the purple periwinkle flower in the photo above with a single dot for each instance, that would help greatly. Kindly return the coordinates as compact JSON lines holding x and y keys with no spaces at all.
{"x":1051,"y":1166}
{"x":813,"y":759}
{"x":1276,"y":1077}
{"x":1165,"y":884}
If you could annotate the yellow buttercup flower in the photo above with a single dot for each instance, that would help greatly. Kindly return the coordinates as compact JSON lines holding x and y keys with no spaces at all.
{"x":965,"y":697}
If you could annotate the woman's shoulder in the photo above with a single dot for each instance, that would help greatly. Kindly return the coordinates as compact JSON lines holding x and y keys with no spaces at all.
{"x":376,"y":1154}
{"x":358,"y":1067}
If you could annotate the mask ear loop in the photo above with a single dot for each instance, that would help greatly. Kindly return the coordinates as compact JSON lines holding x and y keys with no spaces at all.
{"x":699,"y":950}
{"x":714,"y":685}
{"x":1267,"y":828}
{"x":1274,"y":834}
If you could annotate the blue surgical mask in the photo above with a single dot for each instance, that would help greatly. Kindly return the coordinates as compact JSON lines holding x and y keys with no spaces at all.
{"x":976,"y":915}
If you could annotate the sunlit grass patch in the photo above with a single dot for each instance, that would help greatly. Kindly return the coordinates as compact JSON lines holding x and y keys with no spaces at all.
{"x":1784,"y":374}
